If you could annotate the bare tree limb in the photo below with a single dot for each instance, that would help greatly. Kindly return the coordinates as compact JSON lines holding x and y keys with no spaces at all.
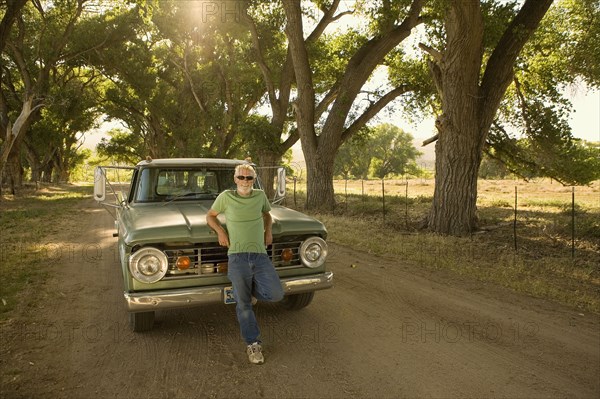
{"x":188,"y":76}
{"x":499,"y":70}
{"x":373,"y":109}
{"x":430,"y":140}
{"x":260,"y":60}
{"x":435,"y":54}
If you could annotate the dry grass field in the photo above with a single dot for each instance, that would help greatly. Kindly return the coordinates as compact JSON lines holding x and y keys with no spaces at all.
{"x":542,"y":254}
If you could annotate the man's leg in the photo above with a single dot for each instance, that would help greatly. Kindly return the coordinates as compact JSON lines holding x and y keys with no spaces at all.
{"x":267,"y":286}
{"x":239,"y":272}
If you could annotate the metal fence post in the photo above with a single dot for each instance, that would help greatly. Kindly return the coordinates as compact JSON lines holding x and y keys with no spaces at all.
{"x":573,"y":222}
{"x":362,"y":181}
{"x":515,"y":221}
{"x":383,"y":197}
{"x":295,"y":202}
{"x":346,"y":194}
{"x":406,"y":205}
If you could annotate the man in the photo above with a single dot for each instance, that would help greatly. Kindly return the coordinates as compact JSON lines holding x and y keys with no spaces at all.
{"x":250,"y":270}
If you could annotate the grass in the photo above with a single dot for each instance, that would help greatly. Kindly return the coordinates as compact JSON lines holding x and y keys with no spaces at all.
{"x":542,"y":264}
{"x":26,"y":221}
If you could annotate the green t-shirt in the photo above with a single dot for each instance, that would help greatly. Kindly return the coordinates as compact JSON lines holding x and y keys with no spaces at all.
{"x":244,"y":220}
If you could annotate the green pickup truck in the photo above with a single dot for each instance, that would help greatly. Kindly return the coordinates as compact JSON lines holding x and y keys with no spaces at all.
{"x":170,"y":257}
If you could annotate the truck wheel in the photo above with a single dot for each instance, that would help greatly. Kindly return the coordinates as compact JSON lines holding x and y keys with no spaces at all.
{"x":143,"y":321}
{"x":297,"y":301}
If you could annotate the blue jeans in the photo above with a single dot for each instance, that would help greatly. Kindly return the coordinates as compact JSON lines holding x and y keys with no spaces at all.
{"x":252,"y":274}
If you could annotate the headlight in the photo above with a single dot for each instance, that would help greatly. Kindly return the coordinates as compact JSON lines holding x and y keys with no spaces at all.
{"x":313,"y":252}
{"x":148,"y":265}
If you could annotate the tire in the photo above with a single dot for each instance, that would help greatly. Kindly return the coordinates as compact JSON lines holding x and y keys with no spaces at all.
{"x":297,"y":301}
{"x":140,"y":322}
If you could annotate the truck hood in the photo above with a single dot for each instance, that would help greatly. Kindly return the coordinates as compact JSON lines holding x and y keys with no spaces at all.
{"x":186,"y":222}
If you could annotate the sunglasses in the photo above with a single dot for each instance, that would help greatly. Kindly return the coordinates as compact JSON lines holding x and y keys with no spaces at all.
{"x":249,"y":178}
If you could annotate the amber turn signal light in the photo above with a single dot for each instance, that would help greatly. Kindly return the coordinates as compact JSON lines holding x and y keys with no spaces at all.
{"x":287,"y":255}
{"x":183,"y":262}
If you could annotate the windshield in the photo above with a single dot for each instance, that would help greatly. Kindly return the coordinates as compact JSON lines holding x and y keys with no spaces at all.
{"x":167,"y":184}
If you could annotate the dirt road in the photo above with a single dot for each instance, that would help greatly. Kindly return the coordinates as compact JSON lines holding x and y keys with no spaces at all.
{"x":387,"y":329}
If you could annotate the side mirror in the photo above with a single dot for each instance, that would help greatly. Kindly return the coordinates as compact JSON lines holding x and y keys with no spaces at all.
{"x":280,"y":191}
{"x":99,"y":184}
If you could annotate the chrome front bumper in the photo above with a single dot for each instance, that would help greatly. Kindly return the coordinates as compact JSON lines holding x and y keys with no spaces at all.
{"x":188,"y":297}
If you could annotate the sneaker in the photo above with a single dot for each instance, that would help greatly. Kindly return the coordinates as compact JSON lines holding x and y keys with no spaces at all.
{"x":255,"y":355}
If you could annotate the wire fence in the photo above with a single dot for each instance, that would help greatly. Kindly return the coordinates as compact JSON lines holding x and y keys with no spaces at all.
{"x":559,"y":212}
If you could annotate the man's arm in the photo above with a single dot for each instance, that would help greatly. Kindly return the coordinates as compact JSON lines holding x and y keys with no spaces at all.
{"x":268,"y":221}
{"x":213,"y":223}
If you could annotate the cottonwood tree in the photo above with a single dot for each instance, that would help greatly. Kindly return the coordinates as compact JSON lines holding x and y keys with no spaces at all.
{"x":122,"y":147}
{"x":212,"y":50}
{"x":470,"y":89}
{"x":43,"y":43}
{"x":143,"y":92}
{"x":392,"y":151}
{"x":53,"y":142}
{"x":380,"y":150}
{"x":265,"y":21}
{"x":392,"y":22}
{"x":185,"y":83}
{"x":353,"y":158}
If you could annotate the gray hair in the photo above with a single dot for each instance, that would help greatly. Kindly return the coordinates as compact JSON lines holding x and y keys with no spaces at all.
{"x":246,"y":167}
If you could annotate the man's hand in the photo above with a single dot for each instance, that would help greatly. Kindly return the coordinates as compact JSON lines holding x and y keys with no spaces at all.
{"x":223,"y":238}
{"x":213,"y":223}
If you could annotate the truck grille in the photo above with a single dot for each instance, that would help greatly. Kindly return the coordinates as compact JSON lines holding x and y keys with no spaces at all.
{"x":210,"y":260}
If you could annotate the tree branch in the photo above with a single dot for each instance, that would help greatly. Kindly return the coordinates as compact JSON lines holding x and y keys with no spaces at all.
{"x":373,"y":109}
{"x":305,"y":104}
{"x":12,"y":12}
{"x":364,"y":62}
{"x":291,"y":140}
{"x":327,"y":100}
{"x":499,"y":70}
{"x":523,"y":105}
{"x":435,"y":54}
{"x":260,"y":59}
{"x":188,"y":76}
{"x":328,"y":18}
{"x":60,"y":44}
{"x":430,"y":140}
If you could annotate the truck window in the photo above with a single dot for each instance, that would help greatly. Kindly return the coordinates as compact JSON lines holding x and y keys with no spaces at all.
{"x":156,"y":185}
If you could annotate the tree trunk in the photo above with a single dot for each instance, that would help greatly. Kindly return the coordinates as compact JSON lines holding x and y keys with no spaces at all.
{"x":14,"y":133}
{"x":319,"y":176}
{"x":47,"y":173}
{"x":468,"y":107}
{"x":155,"y":140}
{"x":457,"y":151}
{"x":267,"y":168}
{"x":33,"y":161}
{"x":458,"y":157}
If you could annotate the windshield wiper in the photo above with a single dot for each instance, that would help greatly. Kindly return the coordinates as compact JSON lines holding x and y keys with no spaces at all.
{"x":212,"y":196}
{"x":180,"y":196}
